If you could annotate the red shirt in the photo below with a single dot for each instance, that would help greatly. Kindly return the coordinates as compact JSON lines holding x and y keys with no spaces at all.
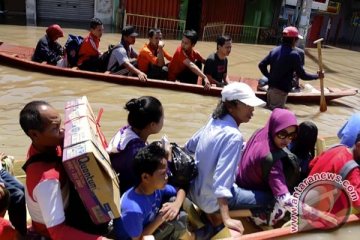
{"x":6,"y":230}
{"x":177,"y":65}
{"x":148,"y":55}
{"x":332,"y":161}
{"x":89,"y":48}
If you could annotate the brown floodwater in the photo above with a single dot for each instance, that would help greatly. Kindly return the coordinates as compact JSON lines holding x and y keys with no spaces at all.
{"x":184,"y":112}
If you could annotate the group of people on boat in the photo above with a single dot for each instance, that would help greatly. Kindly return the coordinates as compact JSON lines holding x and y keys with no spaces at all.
{"x":153,"y":61}
{"x":258,"y":174}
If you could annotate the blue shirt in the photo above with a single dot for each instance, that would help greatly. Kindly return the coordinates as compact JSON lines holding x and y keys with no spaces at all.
{"x":138,"y":210}
{"x":284,"y":61}
{"x":217,"y":147}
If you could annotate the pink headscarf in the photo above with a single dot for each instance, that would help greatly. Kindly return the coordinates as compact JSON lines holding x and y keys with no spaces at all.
{"x":54,"y":32}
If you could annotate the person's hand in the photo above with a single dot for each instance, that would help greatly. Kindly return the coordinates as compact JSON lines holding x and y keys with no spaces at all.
{"x":207,"y":84}
{"x":169,"y":211}
{"x":321,"y":74}
{"x":2,"y":155}
{"x":234,"y":225}
{"x":142,"y":77}
{"x":161,"y":44}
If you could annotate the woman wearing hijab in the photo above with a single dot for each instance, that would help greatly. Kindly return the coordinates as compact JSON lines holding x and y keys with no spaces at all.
{"x":48,"y":49}
{"x":267,"y":165}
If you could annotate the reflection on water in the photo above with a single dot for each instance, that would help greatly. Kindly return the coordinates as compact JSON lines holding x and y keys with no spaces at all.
{"x":184,"y":112}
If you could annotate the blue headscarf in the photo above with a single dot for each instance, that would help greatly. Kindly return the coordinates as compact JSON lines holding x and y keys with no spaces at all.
{"x":348,"y":133}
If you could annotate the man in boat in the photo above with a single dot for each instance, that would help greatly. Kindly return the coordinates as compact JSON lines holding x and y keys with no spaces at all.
{"x":218,"y":148}
{"x":284,"y":60}
{"x":151,"y":59}
{"x":52,"y":201}
{"x":48,"y":49}
{"x":89,"y":53}
{"x":123,"y":58}
{"x":187,"y":62}
{"x":216,"y":64}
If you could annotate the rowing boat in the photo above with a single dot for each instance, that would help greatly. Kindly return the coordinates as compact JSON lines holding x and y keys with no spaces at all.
{"x":20,"y":56}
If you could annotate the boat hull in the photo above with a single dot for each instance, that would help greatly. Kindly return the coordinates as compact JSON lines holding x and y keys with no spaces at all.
{"x":20,"y":56}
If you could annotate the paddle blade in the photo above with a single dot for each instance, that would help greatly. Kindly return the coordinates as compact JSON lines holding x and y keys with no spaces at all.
{"x":323,"y":106}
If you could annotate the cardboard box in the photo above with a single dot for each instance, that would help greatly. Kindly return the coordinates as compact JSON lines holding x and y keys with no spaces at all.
{"x":87,"y":163}
{"x":94,"y":179}
{"x":80,"y":130}
{"x":78,"y":108}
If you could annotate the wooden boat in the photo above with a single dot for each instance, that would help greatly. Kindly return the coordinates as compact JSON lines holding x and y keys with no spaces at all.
{"x":20,"y":56}
{"x":348,"y":231}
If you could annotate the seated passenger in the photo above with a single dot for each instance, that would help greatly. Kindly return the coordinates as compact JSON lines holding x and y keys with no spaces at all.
{"x":89,"y":53}
{"x":7,"y":231}
{"x":146,"y":117}
{"x":16,"y":208}
{"x":48,"y":49}
{"x":123,"y":58}
{"x":343,"y":161}
{"x":217,"y":148}
{"x":216,"y":64}
{"x":187,"y":62}
{"x":267,"y":165}
{"x":54,"y":206}
{"x":303,"y":146}
{"x":148,"y":207}
{"x":151,"y":59}
{"x":348,"y":133}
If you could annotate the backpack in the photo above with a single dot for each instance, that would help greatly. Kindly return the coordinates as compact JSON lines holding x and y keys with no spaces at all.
{"x":105,"y":57}
{"x":72,"y":47}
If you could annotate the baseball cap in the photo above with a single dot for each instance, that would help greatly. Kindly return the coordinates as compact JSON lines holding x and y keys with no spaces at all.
{"x":292,"y":32}
{"x":242,"y":92}
{"x":129,"y":31}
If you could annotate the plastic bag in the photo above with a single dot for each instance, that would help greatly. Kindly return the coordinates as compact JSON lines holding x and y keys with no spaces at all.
{"x":183,"y":167}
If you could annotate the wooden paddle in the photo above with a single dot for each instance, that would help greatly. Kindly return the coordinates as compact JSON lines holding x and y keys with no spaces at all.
{"x":323,"y":106}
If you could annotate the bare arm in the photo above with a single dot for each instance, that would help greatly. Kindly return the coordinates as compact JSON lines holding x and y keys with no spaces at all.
{"x":151,"y":227}
{"x":198,"y":72}
{"x":142,"y":76}
{"x":160,"y":55}
{"x":229,"y":222}
{"x":170,"y":210}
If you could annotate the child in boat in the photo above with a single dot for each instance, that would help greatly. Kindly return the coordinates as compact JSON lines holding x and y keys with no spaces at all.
{"x":303,"y":146}
{"x":48,"y":189}
{"x":216,"y":64}
{"x":7,"y":231}
{"x":48,"y":49}
{"x":146,"y":117}
{"x":147,"y":208}
{"x":217,"y":148}
{"x":267,"y":165}
{"x":16,"y":208}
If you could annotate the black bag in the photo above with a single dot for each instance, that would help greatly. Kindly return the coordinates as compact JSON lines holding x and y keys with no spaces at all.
{"x":105,"y":57}
{"x":72,"y":47}
{"x":183,"y":167}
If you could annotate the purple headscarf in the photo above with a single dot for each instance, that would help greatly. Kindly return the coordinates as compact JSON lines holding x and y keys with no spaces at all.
{"x":259,"y":146}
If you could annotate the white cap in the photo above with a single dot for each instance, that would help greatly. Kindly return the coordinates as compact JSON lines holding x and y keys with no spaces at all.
{"x":242,"y":92}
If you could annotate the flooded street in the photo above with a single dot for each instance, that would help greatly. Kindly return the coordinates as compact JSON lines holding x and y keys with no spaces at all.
{"x":184,"y":112}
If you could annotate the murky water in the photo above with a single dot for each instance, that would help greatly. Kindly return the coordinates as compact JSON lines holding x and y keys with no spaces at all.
{"x":184,"y":112}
